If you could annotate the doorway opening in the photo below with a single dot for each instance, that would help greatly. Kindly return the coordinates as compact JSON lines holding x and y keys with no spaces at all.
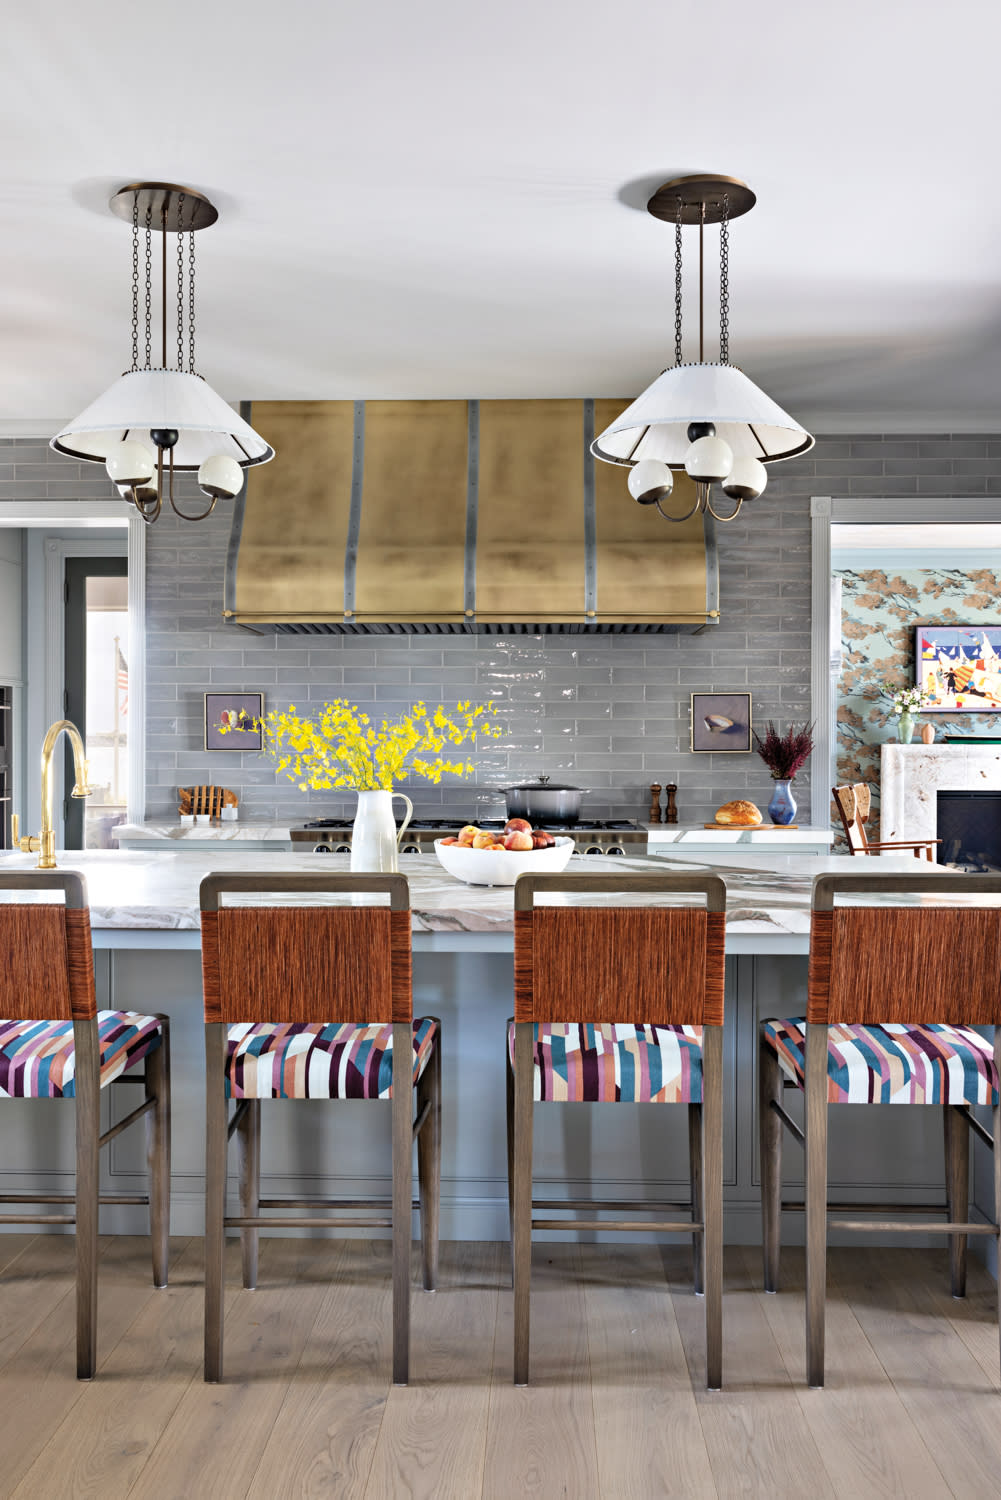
{"x":97,"y":696}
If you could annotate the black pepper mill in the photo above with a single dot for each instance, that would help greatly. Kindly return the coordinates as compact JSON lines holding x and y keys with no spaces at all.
{"x":671,"y":815}
{"x":655,"y":802}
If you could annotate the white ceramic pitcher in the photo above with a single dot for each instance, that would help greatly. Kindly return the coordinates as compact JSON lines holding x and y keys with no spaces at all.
{"x":374,"y":840}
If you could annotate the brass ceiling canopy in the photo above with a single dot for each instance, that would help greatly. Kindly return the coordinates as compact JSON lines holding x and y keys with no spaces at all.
{"x":706,"y":198}
{"x":170,"y":208}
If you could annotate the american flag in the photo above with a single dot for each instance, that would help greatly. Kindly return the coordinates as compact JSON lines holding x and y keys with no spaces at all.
{"x":122,"y":678}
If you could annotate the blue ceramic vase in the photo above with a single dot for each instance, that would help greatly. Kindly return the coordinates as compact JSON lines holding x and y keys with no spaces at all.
{"x":782,"y":808}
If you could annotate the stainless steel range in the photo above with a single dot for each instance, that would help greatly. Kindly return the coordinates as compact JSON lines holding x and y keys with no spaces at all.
{"x":596,"y":836}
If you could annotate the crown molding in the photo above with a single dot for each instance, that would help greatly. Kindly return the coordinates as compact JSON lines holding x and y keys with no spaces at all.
{"x":911,"y":424}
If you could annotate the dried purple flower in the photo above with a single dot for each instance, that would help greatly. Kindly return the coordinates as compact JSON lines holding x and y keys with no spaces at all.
{"x":784,"y":754}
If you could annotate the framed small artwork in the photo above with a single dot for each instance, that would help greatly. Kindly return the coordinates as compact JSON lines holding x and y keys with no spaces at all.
{"x":721,"y":723}
{"x":958,"y":668}
{"x":229,"y":721}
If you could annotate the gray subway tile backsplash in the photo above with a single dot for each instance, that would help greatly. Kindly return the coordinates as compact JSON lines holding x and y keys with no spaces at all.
{"x":606,"y":712}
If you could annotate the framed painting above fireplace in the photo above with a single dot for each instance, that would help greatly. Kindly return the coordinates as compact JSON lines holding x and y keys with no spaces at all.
{"x":958,"y":668}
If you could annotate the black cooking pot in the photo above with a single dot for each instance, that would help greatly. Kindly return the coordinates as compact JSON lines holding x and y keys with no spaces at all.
{"x":542,"y":803}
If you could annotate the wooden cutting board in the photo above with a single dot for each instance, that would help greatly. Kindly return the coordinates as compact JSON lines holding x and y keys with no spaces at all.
{"x":765,"y":826}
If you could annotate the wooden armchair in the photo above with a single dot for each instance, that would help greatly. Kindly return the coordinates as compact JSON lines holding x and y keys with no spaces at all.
{"x":853,"y":804}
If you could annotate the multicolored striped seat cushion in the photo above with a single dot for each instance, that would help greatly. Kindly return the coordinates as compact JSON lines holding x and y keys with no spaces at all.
{"x":579,"y":1062}
{"x":38,"y":1061}
{"x":893,"y":1064}
{"x":308,"y":1060}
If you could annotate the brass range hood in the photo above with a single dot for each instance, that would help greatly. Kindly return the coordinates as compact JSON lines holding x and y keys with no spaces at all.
{"x":456,"y":517}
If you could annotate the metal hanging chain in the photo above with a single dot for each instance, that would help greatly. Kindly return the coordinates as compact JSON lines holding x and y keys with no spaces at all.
{"x":149,"y":283}
{"x":191,"y":301}
{"x":724,"y":293}
{"x":180,"y":282}
{"x":677,"y":286}
{"x":135,"y":281}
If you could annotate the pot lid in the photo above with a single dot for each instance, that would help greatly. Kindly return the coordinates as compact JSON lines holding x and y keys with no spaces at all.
{"x":541,"y":784}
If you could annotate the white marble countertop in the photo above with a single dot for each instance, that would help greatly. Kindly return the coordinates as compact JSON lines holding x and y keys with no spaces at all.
{"x":234,"y":831}
{"x":132,"y":893}
{"x":767,"y":833}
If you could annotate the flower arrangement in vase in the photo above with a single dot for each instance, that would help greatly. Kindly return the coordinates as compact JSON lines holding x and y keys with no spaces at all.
{"x":339,"y":746}
{"x":905,"y":702}
{"x":784,"y":755}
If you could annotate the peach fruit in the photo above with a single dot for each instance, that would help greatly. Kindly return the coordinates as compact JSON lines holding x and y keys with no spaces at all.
{"x":518,"y":839}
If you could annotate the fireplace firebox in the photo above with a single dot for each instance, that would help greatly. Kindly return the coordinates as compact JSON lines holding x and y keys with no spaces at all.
{"x":969,"y":825}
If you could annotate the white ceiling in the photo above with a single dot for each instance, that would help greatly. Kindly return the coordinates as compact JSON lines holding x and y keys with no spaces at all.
{"x":433,"y":199}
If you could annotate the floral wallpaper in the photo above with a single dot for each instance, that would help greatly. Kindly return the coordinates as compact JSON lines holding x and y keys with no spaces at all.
{"x":879,"y":611}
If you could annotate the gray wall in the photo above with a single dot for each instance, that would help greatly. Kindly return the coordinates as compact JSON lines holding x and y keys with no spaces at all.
{"x":605,"y":712}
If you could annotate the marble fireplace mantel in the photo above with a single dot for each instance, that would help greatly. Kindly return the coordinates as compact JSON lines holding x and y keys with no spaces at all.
{"x":911,"y":776}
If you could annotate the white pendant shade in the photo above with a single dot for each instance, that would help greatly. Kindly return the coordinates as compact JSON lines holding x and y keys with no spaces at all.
{"x":142,"y":400}
{"x":655,"y":426}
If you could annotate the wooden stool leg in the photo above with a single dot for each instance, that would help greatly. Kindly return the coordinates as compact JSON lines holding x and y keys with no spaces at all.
{"x":524,"y":1070}
{"x":957,"y":1191}
{"x":429,"y":1163}
{"x":695,"y":1177}
{"x":770,"y":1140}
{"x":88,"y":1151}
{"x":216,"y":1142}
{"x":157,"y":1070}
{"x":712,"y":1199}
{"x":248,"y":1153}
{"x":403,"y":1157}
{"x":816,"y":1200}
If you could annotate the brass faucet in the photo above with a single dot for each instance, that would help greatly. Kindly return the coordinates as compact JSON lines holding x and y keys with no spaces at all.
{"x":44,"y":843}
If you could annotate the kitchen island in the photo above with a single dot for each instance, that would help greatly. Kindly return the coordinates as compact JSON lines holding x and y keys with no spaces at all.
{"x":144,"y":913}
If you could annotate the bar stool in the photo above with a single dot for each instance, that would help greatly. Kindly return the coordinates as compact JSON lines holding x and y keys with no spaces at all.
{"x":306,"y":1002}
{"x":893,"y":994}
{"x":620,"y":1004}
{"x":56,"y":1044}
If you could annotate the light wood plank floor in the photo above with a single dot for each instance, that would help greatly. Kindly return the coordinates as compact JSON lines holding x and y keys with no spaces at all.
{"x":617,"y":1410}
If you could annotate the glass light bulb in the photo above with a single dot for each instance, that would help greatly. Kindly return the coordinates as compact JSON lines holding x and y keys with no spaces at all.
{"x":746,"y":479}
{"x":220,"y":476}
{"x":709,"y":459}
{"x":649,"y":481}
{"x":130,"y":463}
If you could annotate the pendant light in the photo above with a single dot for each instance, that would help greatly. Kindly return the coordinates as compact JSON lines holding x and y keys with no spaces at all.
{"x":708,"y":419}
{"x":155,"y":419}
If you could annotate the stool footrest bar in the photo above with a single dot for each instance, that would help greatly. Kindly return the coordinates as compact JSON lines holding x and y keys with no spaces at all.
{"x":384,"y":1204}
{"x":630,"y":1226}
{"x":37,"y":1218}
{"x":135,"y":1198}
{"x":890,"y":1226}
{"x":620,"y":1204}
{"x":242,"y":1222}
{"x":872,"y":1208}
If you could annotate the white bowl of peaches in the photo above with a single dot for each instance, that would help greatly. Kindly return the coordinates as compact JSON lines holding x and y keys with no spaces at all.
{"x":483,"y":858}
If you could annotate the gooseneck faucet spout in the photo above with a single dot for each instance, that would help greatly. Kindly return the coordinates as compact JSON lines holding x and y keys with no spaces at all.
{"x":45,"y":842}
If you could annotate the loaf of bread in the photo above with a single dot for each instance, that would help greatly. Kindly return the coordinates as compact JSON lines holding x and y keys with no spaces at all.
{"x":738,"y":814}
